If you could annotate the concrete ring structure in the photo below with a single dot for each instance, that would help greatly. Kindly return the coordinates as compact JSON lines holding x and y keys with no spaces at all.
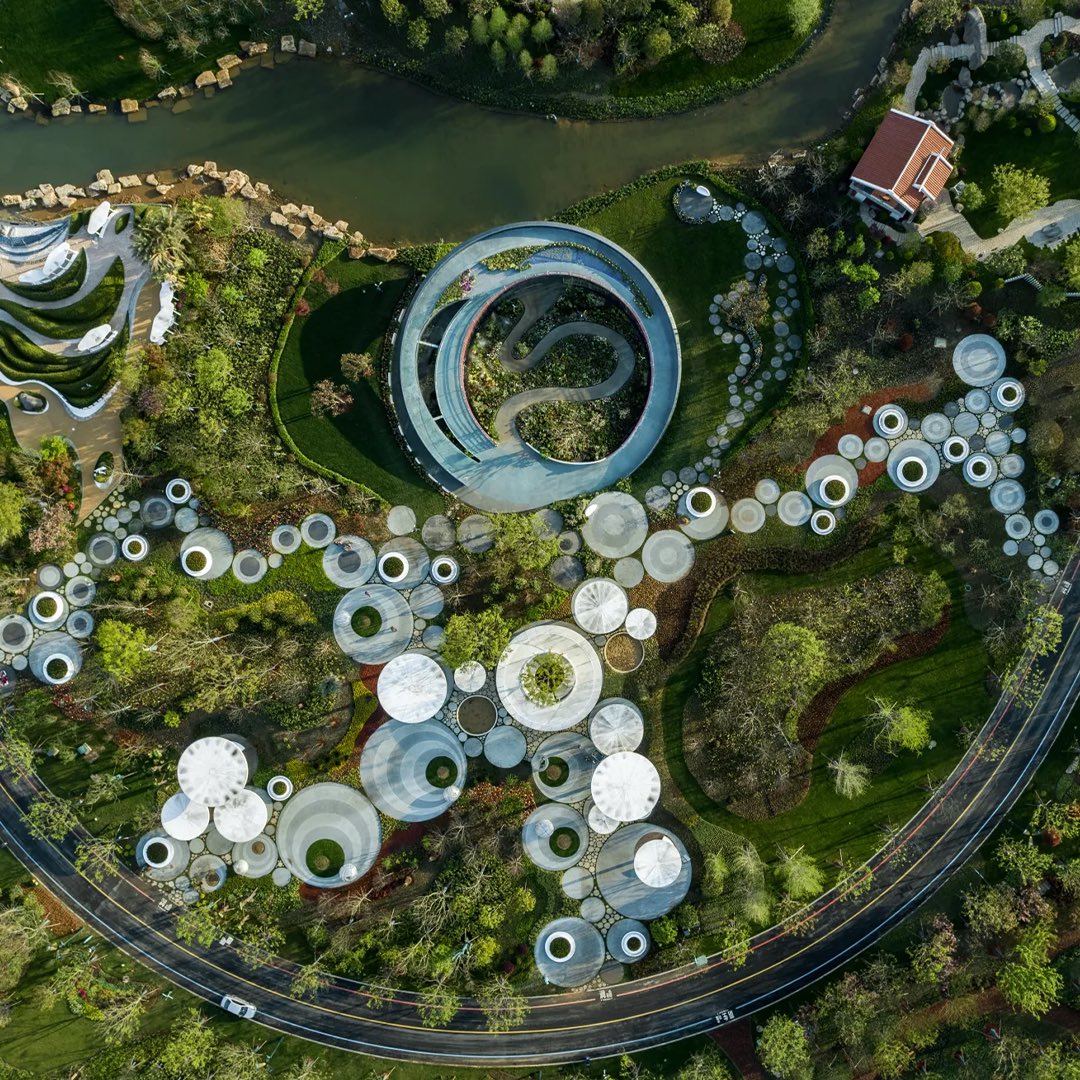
{"x":1008,"y":394}
{"x":255,"y":858}
{"x":620,"y":885}
{"x":747,"y":515}
{"x":616,"y":725}
{"x":569,"y":952}
{"x":135,"y":547}
{"x":505,"y":746}
{"x":248,"y":566}
{"x":976,"y":402}
{"x":567,"y":642}
{"x":615,"y":524}
{"x":544,"y":829}
{"x":394,"y":766}
{"x":16,"y":634}
{"x":318,"y":530}
{"x":626,"y":786}
{"x":667,"y":556}
{"x":980,"y":470}
{"x":178,"y":491}
{"x":508,"y":474}
{"x":395,"y":626}
{"x":640,"y":624}
{"x":700,"y":501}
{"x":286,"y":539}
{"x":831,"y":481}
{"x":979,"y":359}
{"x":216,"y":547}
{"x":411,"y":552}
{"x":599,"y":606}
{"x":445,"y":570}
{"x":890,"y":421}
{"x":328,"y":811}
{"x":349,"y":561}
{"x":794,"y":508}
{"x":161,"y":857}
{"x":55,"y":658}
{"x":102,"y":550}
{"x":955,"y":449}
{"x":1017,"y":526}
{"x":628,"y":940}
{"x":573,"y":758}
{"x":412,"y":687}
{"x":913,"y":465}
{"x":80,"y":590}
{"x":823,"y":522}
{"x":156,"y":512}
{"x":183,"y":818}
{"x":40,"y":615}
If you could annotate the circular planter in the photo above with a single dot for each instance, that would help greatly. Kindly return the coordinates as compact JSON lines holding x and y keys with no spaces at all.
{"x":823,"y":522}
{"x":634,"y":944}
{"x":476,"y":715}
{"x":47,"y":608}
{"x":623,"y":653}
{"x":177,"y":491}
{"x":135,"y":548}
{"x":158,"y":852}
{"x":890,"y":421}
{"x":444,"y":570}
{"x":560,"y":947}
{"x":196,"y":562}
{"x":955,"y":449}
{"x":834,"y":490}
{"x":393,"y":567}
{"x":700,"y":502}
{"x":57,"y":669}
{"x":539,"y":675}
{"x":911,"y":471}
{"x":279,"y":788}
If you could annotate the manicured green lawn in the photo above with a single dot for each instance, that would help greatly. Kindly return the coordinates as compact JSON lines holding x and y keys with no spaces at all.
{"x":691,"y":264}
{"x":361,"y":444}
{"x":83,"y":39}
{"x":950,"y":682}
{"x":74,"y":320}
{"x":1053,"y":156}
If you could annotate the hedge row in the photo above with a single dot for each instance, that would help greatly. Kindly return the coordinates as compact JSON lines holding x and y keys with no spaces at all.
{"x":60,"y":288}
{"x":97,"y":307}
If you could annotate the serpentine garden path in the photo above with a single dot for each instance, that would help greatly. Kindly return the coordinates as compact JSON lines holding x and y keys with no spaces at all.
{"x":400,"y":162}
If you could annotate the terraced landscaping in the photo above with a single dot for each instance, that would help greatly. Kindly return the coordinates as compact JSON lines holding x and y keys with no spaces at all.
{"x":94,"y":309}
{"x":60,"y":288}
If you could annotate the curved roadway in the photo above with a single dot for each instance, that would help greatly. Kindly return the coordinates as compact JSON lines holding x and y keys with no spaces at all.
{"x":633,"y":1015}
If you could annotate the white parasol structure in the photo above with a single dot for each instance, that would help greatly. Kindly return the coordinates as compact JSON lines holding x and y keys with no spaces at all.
{"x":599,"y":605}
{"x":657,"y":862}
{"x":412,"y":688}
{"x":625,"y":787}
{"x":213,"y":770}
{"x":98,"y":219}
{"x":56,"y":262}
{"x":617,"y":726}
{"x":184,"y":819}
{"x":97,"y":338}
{"x":243,"y":817}
{"x":166,"y":315}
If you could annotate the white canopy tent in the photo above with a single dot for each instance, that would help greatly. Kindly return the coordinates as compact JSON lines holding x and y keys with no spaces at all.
{"x":99,"y":218}
{"x":56,"y":262}
{"x":95,"y":339}
{"x":212,"y":771}
{"x":243,"y":817}
{"x":657,"y":862}
{"x":184,"y":819}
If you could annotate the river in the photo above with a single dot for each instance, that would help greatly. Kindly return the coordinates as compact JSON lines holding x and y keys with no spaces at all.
{"x":401,"y":163}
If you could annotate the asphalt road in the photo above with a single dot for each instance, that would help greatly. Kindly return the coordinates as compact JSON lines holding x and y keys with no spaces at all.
{"x":635,"y":1015}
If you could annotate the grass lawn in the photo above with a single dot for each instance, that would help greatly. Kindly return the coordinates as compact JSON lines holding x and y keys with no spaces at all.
{"x":949,"y":681}
{"x":94,"y":309}
{"x":1053,"y":156}
{"x":360,"y":444}
{"x":769,"y":44}
{"x":691,"y":264}
{"x":83,"y":39}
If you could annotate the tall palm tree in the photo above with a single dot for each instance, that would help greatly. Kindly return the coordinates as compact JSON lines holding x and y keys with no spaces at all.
{"x":161,"y":240}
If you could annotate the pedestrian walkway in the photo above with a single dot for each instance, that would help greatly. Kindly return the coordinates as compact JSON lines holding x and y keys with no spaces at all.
{"x":1062,"y":218}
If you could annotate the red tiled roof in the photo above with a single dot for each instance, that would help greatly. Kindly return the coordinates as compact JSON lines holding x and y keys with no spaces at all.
{"x":904,"y":151}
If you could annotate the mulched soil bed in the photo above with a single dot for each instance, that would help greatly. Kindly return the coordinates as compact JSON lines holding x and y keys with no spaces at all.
{"x":61,"y":920}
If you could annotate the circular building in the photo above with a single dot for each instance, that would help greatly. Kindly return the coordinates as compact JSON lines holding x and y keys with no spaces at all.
{"x":616,"y":726}
{"x":615,"y":525}
{"x":568,"y":703}
{"x":979,"y":359}
{"x":470,"y":676}
{"x":913,"y":465}
{"x":161,"y":857}
{"x":569,"y":952}
{"x":628,"y":940}
{"x":599,"y":605}
{"x":626,"y":786}
{"x":214,"y":770}
{"x":555,"y":837}
{"x":285,"y":539}
{"x":328,"y":835}
{"x":563,"y":766}
{"x":413,"y":772}
{"x":640,"y":624}
{"x":831,"y":481}
{"x":16,"y":633}
{"x":318,"y":530}
{"x":255,"y":858}
{"x":618,"y":879}
{"x":243,"y":817}
{"x":184,"y":819}
{"x":248,"y":566}
{"x":657,"y":862}
{"x":55,"y":658}
{"x":412,"y":687}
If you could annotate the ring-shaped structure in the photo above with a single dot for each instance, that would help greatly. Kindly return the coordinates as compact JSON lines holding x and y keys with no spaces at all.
{"x":615,"y":524}
{"x":979,"y":359}
{"x":540,"y":835}
{"x":103,"y":550}
{"x":955,"y":449}
{"x":1008,"y":394}
{"x":1047,"y":522}
{"x":794,"y":508}
{"x":619,"y":883}
{"x":395,"y":624}
{"x":328,"y":811}
{"x":318,"y":530}
{"x":286,"y":539}
{"x":80,"y":590}
{"x":80,"y":624}
{"x":831,"y":481}
{"x":508,"y":474}
{"x":61,"y":648}
{"x":578,"y":757}
{"x":135,"y":547}
{"x":747,"y":516}
{"x":216,"y":547}
{"x":935,"y":427}
{"x":913,"y":465}
{"x":249,"y":566}
{"x":160,"y":857}
{"x":178,"y":491}
{"x":445,"y":570}
{"x":394,"y":767}
{"x":412,"y":553}
{"x":1007,"y":496}
{"x":573,"y":646}
{"x":599,"y":605}
{"x":980,"y":470}
{"x":1017,"y":526}
{"x":703,"y":526}
{"x":580,"y":958}
{"x":890,"y":421}
{"x":823,"y":522}
{"x":628,"y":940}
{"x":349,"y":561}
{"x":38,"y":605}
{"x":156,"y":511}
{"x":16,"y":634}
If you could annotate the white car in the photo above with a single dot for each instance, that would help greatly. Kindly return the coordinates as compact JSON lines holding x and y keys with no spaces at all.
{"x":244,"y":1009}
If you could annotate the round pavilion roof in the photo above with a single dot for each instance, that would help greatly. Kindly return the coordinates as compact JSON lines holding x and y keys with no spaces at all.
{"x":412,"y":687}
{"x":619,"y":882}
{"x":617,"y":726}
{"x":657,"y":862}
{"x":243,"y":817}
{"x":626,"y":786}
{"x":640,"y":623}
{"x":184,"y":819}
{"x":599,"y":605}
{"x":211,"y":771}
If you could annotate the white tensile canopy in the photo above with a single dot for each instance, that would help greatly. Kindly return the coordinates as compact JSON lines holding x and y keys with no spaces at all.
{"x":243,"y":817}
{"x":657,"y":862}
{"x":626,"y":787}
{"x":102,"y":212}
{"x":599,"y":605}
{"x":616,"y":726}
{"x":97,"y":338}
{"x":166,"y":315}
{"x":212,"y":771}
{"x":184,"y":819}
{"x":56,"y":262}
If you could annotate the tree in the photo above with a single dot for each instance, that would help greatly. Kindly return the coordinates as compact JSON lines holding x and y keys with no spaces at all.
{"x":12,"y":504}
{"x":1018,"y":191}
{"x":51,"y":818}
{"x":1023,"y":860}
{"x":990,"y":911}
{"x":902,"y":727}
{"x":939,"y":14}
{"x":717,"y":43}
{"x":542,"y":31}
{"x":720,"y":11}
{"x":498,"y":22}
{"x":658,"y":44}
{"x":436,"y":9}
{"x":418,"y":33}
{"x":1070,"y":260}
{"x":97,"y":858}
{"x":308,"y":981}
{"x":549,"y":67}
{"x":198,"y":923}
{"x":326,"y":397}
{"x":1033,"y":989}
{"x":161,"y":239}
{"x":104,"y":787}
{"x":394,"y":11}
{"x":973,"y":196}
{"x":124,"y":649}
{"x":504,"y":1008}
{"x":120,"y":1019}
{"x":356,"y":367}
{"x":795,"y":662}
{"x":783,"y":1048}
{"x":308,"y":1069}
{"x":307,"y":9}
{"x":1042,"y":630}
{"x":456,"y":37}
{"x":802,"y":15}
{"x":849,"y":778}
{"x":482,"y":637}
{"x":800,"y":877}
{"x":481,"y":35}
{"x":191,"y":1049}
{"x":437,"y":1006}
{"x":705,"y":1065}
{"x":525,"y":63}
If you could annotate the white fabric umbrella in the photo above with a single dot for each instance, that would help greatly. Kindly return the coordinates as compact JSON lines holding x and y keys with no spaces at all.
{"x":626,"y":787}
{"x":657,"y":863}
